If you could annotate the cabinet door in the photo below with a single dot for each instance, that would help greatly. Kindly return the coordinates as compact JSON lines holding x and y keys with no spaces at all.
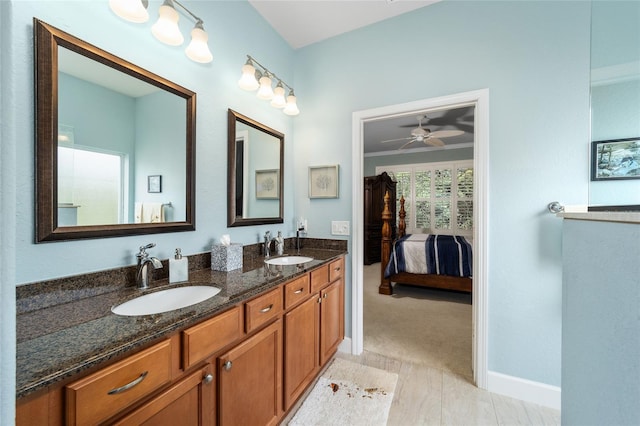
{"x":189,"y":402}
{"x":331,"y":319}
{"x":301,"y":348}
{"x":250,"y":380}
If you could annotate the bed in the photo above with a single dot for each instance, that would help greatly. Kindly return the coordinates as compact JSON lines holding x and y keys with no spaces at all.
{"x":391,"y":269}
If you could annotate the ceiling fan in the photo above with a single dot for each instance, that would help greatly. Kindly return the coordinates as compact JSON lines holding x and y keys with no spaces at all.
{"x":420,"y":134}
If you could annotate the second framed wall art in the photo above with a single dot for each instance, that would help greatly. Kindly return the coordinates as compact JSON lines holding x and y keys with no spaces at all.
{"x":323,"y":181}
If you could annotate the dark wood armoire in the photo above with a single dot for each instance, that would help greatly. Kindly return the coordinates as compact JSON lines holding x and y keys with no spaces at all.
{"x":374,"y":190}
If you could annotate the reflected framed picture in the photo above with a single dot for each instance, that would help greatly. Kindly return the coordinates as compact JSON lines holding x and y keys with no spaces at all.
{"x":154,"y":183}
{"x":267,"y":184}
{"x":615,"y":159}
{"x":323,"y":181}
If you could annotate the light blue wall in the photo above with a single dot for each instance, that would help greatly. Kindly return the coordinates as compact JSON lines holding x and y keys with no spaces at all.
{"x":534,"y":59}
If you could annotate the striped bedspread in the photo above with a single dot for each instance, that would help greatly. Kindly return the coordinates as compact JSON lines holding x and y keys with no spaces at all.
{"x":431,"y":254}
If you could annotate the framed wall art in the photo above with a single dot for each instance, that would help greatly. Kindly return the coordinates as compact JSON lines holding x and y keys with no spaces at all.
{"x":323,"y":181}
{"x":615,"y":159}
{"x":154,"y":183}
{"x":267,"y":184}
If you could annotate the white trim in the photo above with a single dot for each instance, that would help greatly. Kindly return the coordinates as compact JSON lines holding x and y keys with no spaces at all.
{"x":425,"y":149}
{"x":479,"y":99}
{"x":523,"y":389}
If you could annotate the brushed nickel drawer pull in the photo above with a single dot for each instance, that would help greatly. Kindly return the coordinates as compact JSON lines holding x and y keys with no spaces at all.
{"x":299,"y":291}
{"x":227,"y":365}
{"x":336,"y":269}
{"x":207,"y":379}
{"x":128,"y":385}
{"x":267,"y":309}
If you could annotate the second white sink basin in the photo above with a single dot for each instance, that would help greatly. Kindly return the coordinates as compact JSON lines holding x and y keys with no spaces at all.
{"x":165,"y":300}
{"x":288,"y":260}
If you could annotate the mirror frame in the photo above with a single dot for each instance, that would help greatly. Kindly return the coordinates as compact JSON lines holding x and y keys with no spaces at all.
{"x":232,"y":220}
{"x":47,"y":40}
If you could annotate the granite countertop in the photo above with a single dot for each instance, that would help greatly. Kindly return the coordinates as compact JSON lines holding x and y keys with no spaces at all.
{"x":62,"y":340}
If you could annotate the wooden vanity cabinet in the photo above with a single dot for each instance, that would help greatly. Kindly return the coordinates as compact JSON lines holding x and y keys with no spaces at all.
{"x":313,"y":330}
{"x":190,"y":402}
{"x":250,"y":380}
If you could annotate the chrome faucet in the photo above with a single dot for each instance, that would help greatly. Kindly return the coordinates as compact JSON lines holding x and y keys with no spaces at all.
{"x":142,"y":271}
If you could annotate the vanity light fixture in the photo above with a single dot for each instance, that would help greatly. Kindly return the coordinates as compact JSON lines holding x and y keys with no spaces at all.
{"x":261,"y":79}
{"x":166,"y":28}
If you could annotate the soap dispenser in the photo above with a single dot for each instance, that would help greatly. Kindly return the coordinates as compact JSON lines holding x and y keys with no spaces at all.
{"x":178,"y":268}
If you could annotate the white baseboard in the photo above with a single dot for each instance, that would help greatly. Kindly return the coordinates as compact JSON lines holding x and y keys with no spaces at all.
{"x":345,"y":346}
{"x":526,"y":390}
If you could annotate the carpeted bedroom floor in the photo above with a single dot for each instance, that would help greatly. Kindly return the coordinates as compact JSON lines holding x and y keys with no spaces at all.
{"x":423,"y":326}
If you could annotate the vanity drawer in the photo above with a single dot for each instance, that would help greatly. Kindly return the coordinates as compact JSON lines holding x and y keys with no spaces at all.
{"x":336,"y":269}
{"x":206,"y":338}
{"x":296,"y":291}
{"x":100,"y":395}
{"x":319,"y":278}
{"x":263,"y":309}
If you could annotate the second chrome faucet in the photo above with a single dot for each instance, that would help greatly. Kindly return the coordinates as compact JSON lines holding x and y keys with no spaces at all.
{"x":142,"y":270}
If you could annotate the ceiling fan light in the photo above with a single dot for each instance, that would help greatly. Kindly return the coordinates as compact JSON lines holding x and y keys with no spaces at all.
{"x":166,"y":28}
{"x":198,"y":49}
{"x":130,"y":10}
{"x":265,"y":91}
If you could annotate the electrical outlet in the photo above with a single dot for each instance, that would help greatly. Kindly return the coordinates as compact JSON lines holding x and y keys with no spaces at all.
{"x":340,"y":227}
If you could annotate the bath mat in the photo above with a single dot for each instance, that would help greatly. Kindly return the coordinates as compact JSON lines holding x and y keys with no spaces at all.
{"x":348,"y":394}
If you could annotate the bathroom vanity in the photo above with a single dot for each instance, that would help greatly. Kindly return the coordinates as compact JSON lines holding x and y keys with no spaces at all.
{"x":243,"y":356}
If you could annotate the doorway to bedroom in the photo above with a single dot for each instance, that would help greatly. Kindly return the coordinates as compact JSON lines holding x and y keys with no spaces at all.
{"x":441,"y":329}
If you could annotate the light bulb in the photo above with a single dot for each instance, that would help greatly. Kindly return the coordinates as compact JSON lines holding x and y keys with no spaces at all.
{"x":278,"y":97}
{"x":130,"y":10}
{"x":166,"y":28}
{"x":265,"y":91}
{"x":248,"y":80}
{"x":198,"y":49}
{"x":291,"y":108}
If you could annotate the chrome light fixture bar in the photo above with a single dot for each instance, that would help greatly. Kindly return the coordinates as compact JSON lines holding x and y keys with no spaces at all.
{"x":166,"y":28}
{"x":261,"y":79}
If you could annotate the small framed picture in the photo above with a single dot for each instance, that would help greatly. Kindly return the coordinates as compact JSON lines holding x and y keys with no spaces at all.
{"x":267,"y":184}
{"x":154,"y":183}
{"x":615,"y":159}
{"x":323,"y":181}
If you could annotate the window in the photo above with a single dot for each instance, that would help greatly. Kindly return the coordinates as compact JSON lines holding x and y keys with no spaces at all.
{"x":438,"y":196}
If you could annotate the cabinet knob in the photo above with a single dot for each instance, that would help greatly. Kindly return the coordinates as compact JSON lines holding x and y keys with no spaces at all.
{"x":324,"y":296}
{"x":207,"y":379}
{"x":227,"y":365}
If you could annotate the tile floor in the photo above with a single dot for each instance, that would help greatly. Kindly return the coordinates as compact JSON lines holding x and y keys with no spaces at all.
{"x":430,"y":396}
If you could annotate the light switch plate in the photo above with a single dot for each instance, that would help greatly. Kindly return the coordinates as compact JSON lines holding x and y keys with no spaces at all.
{"x":340,"y":227}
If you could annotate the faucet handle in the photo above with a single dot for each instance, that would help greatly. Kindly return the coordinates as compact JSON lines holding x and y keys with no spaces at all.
{"x":142,"y":252}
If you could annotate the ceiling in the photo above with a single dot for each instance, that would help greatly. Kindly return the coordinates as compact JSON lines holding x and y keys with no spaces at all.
{"x":304,"y":22}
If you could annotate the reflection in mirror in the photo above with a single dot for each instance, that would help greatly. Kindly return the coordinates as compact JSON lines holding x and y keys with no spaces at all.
{"x":103,"y":127}
{"x":256,"y":156}
{"x":615,"y":94}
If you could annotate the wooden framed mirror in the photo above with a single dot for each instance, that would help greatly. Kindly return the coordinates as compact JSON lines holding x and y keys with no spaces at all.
{"x":254,"y":173}
{"x":107,"y":133}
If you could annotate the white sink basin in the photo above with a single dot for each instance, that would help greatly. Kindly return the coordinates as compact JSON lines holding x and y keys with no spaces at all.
{"x":165,"y":300}
{"x":288,"y":260}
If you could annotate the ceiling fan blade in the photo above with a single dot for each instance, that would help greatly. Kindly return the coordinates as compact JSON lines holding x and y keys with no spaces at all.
{"x":395,"y":140}
{"x":446,"y":133}
{"x":434,"y":142}
{"x":408,"y":143}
